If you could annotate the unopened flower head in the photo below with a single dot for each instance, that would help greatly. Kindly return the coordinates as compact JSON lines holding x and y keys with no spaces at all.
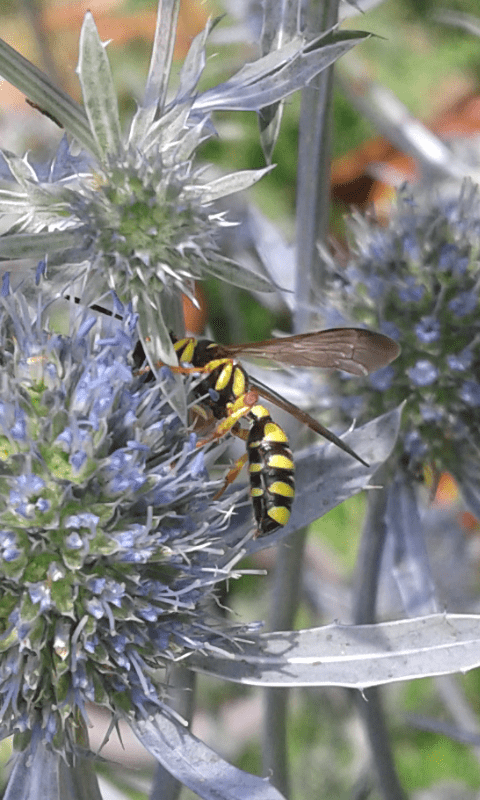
{"x":147,"y":230}
{"x":133,"y":212}
{"x":417,"y":279}
{"x":108,"y":539}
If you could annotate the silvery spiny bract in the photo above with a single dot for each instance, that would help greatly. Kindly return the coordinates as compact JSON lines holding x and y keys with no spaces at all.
{"x":134,"y":212}
{"x":131,"y":213}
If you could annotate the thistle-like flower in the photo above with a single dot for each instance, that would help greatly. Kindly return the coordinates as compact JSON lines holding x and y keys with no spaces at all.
{"x":417,"y":279}
{"x":110,"y":546}
{"x":134,"y":212}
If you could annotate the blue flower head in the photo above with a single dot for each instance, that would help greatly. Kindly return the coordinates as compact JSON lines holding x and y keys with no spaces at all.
{"x":424,"y":270}
{"x":106,"y":527}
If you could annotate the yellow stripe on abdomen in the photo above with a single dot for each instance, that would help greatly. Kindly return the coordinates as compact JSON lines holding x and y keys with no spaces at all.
{"x":282,"y":488}
{"x":274,"y":433}
{"x":280,"y":514}
{"x":279,"y":461}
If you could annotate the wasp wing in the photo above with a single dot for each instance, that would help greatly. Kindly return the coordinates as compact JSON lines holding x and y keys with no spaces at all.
{"x":302,"y":416}
{"x":354,"y":350}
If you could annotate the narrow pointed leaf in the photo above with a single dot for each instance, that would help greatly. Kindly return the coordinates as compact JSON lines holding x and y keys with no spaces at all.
{"x":14,"y":200}
{"x":194,"y":63}
{"x":354,"y":656}
{"x":279,"y":26}
{"x":39,"y":89}
{"x":39,"y":195}
{"x":273,"y":77}
{"x":228,"y":184}
{"x":269,"y":122}
{"x":189,"y":142}
{"x":156,"y":315}
{"x":159,"y":71}
{"x":233,"y":273}
{"x":165,"y":129}
{"x":411,"y":565}
{"x":21,"y":170}
{"x":38,"y":774}
{"x":162,"y":53}
{"x":196,"y":765}
{"x":35,"y":245}
{"x":98,"y":90}
{"x":270,"y":64}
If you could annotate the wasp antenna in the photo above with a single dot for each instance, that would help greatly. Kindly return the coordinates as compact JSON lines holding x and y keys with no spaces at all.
{"x":343,"y":446}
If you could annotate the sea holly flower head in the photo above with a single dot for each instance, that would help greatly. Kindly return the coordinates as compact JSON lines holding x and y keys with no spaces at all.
{"x":109,"y":543}
{"x":134,"y":212}
{"x":417,"y":279}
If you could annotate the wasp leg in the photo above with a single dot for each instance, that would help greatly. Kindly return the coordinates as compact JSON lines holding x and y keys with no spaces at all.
{"x":236,"y":411}
{"x":239,"y":464}
{"x":232,"y":474}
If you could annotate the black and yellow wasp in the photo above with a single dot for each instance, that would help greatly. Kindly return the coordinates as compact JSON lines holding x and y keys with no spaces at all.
{"x":226,"y":396}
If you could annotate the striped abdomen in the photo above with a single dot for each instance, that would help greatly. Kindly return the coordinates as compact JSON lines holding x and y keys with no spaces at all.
{"x":271,"y":470}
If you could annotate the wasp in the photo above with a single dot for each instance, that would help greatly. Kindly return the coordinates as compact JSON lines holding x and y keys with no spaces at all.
{"x":227,"y":396}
